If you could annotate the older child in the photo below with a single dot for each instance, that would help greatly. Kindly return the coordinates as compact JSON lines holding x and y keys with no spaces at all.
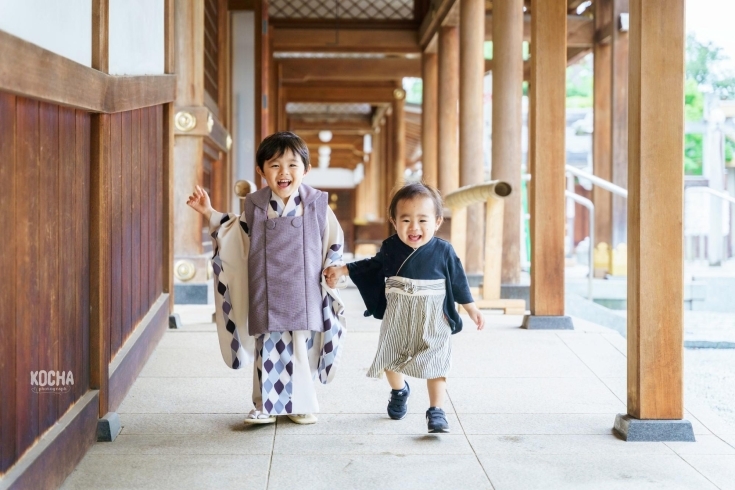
{"x":412,"y":284}
{"x":273,"y":308}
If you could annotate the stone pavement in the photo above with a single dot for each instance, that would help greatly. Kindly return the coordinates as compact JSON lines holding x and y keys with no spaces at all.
{"x":527,"y":409}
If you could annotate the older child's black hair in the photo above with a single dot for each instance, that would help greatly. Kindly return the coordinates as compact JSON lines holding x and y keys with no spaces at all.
{"x":276,"y":145}
{"x":412,"y":191}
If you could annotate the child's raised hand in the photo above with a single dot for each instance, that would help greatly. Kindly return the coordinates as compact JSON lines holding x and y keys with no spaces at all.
{"x":199,"y":202}
{"x":475,"y":314}
{"x":333,"y":274}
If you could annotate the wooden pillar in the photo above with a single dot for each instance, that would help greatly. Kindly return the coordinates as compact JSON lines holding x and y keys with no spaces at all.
{"x":655,"y":250}
{"x":376,"y":172}
{"x":601,"y":137}
{"x":619,"y":130}
{"x":429,"y":123}
{"x":398,"y":162}
{"x":262,"y":74}
{"x":449,"y":128}
{"x":448,"y":117}
{"x":507,"y":122}
{"x":100,"y":223}
{"x":548,"y":158}
{"x":188,"y":170}
{"x":168,"y":158}
{"x":471,"y":158}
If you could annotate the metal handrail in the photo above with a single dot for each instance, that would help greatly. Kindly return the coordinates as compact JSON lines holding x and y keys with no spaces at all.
{"x":591,"y":207}
{"x":711,"y":191}
{"x":599,"y":182}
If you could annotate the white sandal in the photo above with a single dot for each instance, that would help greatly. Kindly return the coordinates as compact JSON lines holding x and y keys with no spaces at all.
{"x":302,"y":418}
{"x":258,"y":417}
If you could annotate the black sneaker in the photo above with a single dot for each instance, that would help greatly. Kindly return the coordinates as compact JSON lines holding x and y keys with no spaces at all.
{"x":436,"y":420}
{"x":398,"y":403}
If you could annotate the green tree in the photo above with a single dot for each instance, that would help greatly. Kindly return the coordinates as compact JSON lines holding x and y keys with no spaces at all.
{"x":704,"y":65}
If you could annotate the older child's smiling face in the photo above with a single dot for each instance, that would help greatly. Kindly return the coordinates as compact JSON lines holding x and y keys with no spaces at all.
{"x":416,"y":221}
{"x":283,"y":174}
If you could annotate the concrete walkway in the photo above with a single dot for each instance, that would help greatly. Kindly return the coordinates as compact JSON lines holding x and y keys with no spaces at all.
{"x":527,"y":410}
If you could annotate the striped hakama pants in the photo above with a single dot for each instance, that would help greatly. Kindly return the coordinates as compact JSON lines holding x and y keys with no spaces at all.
{"x":415,"y":337}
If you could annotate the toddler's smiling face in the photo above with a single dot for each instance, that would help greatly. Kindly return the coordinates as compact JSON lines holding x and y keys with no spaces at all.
{"x":416,"y":221}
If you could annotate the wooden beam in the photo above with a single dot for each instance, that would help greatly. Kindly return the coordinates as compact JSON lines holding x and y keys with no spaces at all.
{"x":580,"y":30}
{"x":317,"y":122}
{"x":604,"y":32}
{"x":548,"y":157}
{"x":306,"y":69}
{"x":75,"y":85}
{"x":434,"y":20}
{"x":241,"y":4}
{"x":655,"y":186}
{"x":324,"y":93}
{"x":352,"y":41}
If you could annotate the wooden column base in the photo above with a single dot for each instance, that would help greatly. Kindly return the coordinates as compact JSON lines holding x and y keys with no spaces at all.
{"x":538,"y":322}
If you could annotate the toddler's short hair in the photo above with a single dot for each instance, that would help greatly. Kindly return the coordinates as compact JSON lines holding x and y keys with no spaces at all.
{"x":412,"y":191}
{"x":276,"y":145}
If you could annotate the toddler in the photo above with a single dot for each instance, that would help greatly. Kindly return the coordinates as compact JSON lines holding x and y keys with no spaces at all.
{"x":412,"y":284}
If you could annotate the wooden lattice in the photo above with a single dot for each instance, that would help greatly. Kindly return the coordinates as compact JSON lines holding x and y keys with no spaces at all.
{"x":342,"y":9}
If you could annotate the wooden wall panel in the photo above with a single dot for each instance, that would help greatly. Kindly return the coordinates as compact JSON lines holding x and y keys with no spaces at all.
{"x":82,"y":187}
{"x":116,"y":239}
{"x":137,"y":152}
{"x":164,"y":148}
{"x":44,"y":309}
{"x":69,"y":294}
{"x":26,"y":285}
{"x":135,"y":224}
{"x":48,"y":261}
{"x":8,"y":378}
{"x":126,"y":226}
{"x":144,"y":209}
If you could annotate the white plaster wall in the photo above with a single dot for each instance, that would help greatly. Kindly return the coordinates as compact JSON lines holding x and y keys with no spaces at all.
{"x":136,"y":40}
{"x":243,"y":98}
{"x":61,"y":26}
{"x":332,"y":178}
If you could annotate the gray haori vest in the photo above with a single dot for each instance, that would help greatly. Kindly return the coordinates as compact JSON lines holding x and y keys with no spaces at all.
{"x":285,"y":264}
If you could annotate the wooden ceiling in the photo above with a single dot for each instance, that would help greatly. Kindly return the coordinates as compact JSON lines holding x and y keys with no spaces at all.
{"x":348,"y":51}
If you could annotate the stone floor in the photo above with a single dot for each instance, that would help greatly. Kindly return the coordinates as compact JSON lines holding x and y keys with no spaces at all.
{"x":528,"y":409}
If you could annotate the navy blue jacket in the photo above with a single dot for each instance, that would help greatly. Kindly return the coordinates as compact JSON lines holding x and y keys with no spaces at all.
{"x":435,"y":260}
